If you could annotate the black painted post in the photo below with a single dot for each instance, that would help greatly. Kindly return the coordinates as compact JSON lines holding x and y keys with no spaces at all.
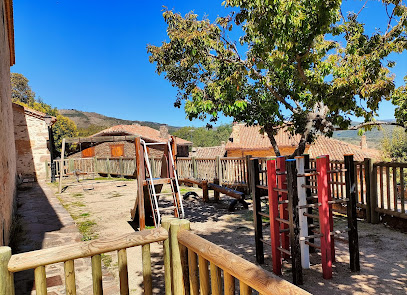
{"x":352,"y":219}
{"x":310,"y":221}
{"x":294,"y":221}
{"x":258,"y":225}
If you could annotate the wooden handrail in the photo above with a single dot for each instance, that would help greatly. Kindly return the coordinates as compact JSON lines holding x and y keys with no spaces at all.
{"x":29,"y":260}
{"x":247,"y":272}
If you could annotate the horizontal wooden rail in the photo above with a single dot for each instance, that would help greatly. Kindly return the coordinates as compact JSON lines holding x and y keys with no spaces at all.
{"x":29,"y":260}
{"x":247,"y":272}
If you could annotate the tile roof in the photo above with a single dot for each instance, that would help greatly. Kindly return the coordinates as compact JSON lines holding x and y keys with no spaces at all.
{"x":336,"y":149}
{"x":249,"y":137}
{"x":33,"y":113}
{"x":209,"y":152}
{"x":143,"y":131}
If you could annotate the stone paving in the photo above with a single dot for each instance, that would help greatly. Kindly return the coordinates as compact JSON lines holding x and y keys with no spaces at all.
{"x":44,"y":223}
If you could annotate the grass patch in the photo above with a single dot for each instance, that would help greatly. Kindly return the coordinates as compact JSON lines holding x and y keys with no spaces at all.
{"x":85,"y":214}
{"x":106,"y":259}
{"x":77,"y":195}
{"x":77,"y":204}
{"x":86,"y":229}
{"x":115,"y":195}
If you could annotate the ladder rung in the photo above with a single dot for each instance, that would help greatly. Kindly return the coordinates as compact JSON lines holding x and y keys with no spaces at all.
{"x":308,"y":174}
{"x":337,"y":170}
{"x":263,"y":214}
{"x":281,"y":190}
{"x":284,"y":251}
{"x":310,"y":215}
{"x":312,"y":180}
{"x":281,"y":173}
{"x":337,"y":232}
{"x":312,"y":245}
{"x":309,"y":206}
{"x":262,"y":171}
{"x":311,"y":237}
{"x":283,"y":202}
{"x":268,"y":242}
{"x":262,"y":186}
{"x":336,"y":182}
{"x":166,"y":209}
{"x":283,"y":220}
{"x":338,"y":201}
{"x":309,"y":186}
{"x":309,"y":170}
{"x":157,"y":181}
{"x":285,"y":230}
{"x":312,"y":198}
{"x":165,"y":194}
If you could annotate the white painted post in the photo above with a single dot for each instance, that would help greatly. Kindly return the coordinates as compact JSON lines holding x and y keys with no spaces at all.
{"x":302,"y":200}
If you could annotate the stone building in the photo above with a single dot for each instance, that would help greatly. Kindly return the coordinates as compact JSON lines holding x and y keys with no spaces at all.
{"x":125,"y":148}
{"x":31,"y":138}
{"x":7,"y":146}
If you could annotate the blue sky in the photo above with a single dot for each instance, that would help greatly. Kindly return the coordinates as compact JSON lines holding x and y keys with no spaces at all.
{"x":91,"y":55}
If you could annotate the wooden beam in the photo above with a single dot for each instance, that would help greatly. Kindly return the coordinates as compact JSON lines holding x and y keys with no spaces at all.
{"x":227,"y":191}
{"x":99,"y":139}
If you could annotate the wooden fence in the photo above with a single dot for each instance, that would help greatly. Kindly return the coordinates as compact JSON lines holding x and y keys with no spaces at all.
{"x":183,"y":274}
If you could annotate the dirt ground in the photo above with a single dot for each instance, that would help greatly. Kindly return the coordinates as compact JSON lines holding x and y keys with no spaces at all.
{"x":102,"y":209}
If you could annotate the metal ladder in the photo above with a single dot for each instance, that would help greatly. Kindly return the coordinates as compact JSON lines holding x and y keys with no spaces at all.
{"x":175,"y":191}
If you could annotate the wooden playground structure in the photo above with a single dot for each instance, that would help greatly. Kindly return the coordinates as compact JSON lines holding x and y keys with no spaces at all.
{"x":293,"y":191}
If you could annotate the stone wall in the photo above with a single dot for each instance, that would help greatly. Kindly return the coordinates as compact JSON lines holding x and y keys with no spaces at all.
{"x":7,"y":146}
{"x":31,"y":136}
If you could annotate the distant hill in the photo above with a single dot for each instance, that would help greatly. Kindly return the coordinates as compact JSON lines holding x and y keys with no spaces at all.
{"x":85,"y":119}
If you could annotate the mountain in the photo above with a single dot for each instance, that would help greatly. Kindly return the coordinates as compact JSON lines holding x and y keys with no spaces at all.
{"x":85,"y":119}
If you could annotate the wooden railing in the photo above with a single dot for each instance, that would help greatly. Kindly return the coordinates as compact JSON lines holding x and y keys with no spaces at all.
{"x":37,"y":260}
{"x":198,"y":267}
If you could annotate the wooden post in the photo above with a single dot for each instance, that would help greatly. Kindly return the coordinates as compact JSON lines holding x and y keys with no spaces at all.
{"x":352,"y":218}
{"x":205,"y":191}
{"x":194,"y":170}
{"x":368,"y":176}
{"x":258,"y":225}
{"x":281,"y":183}
{"x":166,"y":223}
{"x":180,"y":286}
{"x":216,"y":193}
{"x":71,"y":165}
{"x":246,"y":175}
{"x":97,"y":274}
{"x":302,"y":201}
{"x":204,"y":276}
{"x":6,"y":277}
{"x":273,"y":211}
{"x":374,"y":216}
{"x":147,"y":278}
{"x":47,"y":174}
{"x":95,"y":165}
{"x":140,"y":179}
{"x":121,"y":168}
{"x":108,"y":167}
{"x":123,"y":272}
{"x":323,"y":191}
{"x":193,"y":272}
{"x":69,"y":269}
{"x":229,"y":283}
{"x":216,"y":282}
{"x":294,"y":226}
{"x":219,"y":169}
{"x":61,"y":167}
{"x":41,"y":280}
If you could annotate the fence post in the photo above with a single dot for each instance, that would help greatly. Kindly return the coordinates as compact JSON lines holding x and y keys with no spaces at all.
{"x":95,"y":165}
{"x":194,"y":170}
{"x":71,"y":165}
{"x":46,"y":170}
{"x":352,"y":218}
{"x":121,"y":168}
{"x":374,"y":216}
{"x":152,"y":164}
{"x":179,"y":258}
{"x":218,"y":168}
{"x":368,"y":178}
{"x":247,"y":174}
{"x":6,"y":277}
{"x":258,"y":225}
{"x":108,"y":167}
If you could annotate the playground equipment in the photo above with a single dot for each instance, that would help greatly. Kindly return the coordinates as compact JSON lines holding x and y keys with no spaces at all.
{"x":146,"y":207}
{"x":206,"y":186}
{"x":294,"y":191}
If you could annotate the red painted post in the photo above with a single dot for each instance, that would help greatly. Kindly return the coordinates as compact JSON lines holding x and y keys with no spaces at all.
{"x":324,"y":222}
{"x":273,"y":211}
{"x":331,"y":219}
{"x":282,"y":183}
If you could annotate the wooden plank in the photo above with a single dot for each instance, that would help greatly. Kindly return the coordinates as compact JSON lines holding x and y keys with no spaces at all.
{"x":123,"y":273}
{"x":258,"y":225}
{"x":381,"y":187}
{"x":97,"y":274}
{"x":368,"y":172}
{"x":69,"y":270}
{"x":229,"y":282}
{"x":388,"y":187}
{"x":255,"y":277}
{"x":203,"y":274}
{"x":140,"y":177}
{"x":373,"y":195}
{"x":29,"y":260}
{"x":273,"y":211}
{"x":392,"y":213}
{"x":227,"y":191}
{"x":244,"y":289}
{"x":351,"y":212}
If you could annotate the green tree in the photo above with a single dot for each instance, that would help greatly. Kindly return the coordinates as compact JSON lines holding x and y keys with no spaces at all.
{"x":395,"y":145}
{"x":205,"y":137}
{"x":23,"y":95}
{"x":307,"y":65}
{"x":20,"y":90}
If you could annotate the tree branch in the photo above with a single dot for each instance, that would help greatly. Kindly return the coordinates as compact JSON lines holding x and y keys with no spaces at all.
{"x":376,"y":123}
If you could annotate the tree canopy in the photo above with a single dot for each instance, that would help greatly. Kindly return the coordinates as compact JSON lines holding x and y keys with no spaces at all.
{"x":304,"y":64}
{"x":23,"y":95}
{"x":204,"y":137}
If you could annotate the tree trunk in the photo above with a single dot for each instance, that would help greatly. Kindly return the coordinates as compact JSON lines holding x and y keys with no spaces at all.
{"x":268,"y":128}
